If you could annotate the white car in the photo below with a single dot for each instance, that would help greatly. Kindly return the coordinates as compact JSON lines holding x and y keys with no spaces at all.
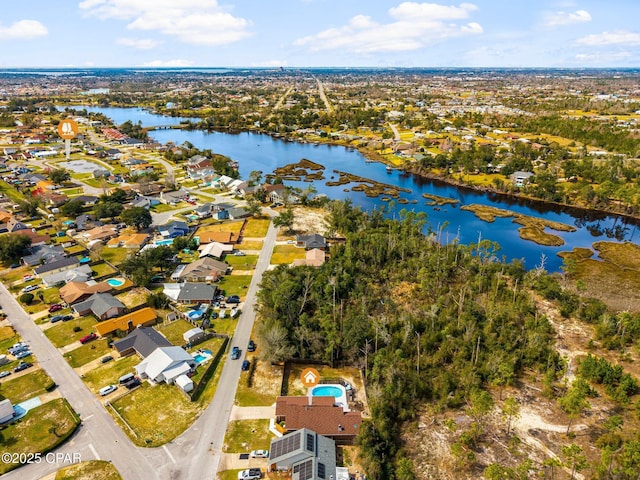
{"x":259,"y":454}
{"x":107,"y":390}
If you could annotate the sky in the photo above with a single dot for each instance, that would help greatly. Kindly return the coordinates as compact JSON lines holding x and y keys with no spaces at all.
{"x":319,"y":33}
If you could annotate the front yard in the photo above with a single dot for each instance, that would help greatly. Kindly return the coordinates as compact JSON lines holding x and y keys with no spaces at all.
{"x":26,"y":387}
{"x":62,"y":333}
{"x":256,"y":227}
{"x":40,"y":430}
{"x":286,"y":254}
{"x":87,"y":352}
{"x":245,"y":435}
{"x":109,"y":373}
{"x":235,"y":284}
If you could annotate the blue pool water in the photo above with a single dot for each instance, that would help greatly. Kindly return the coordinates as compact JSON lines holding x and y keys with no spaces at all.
{"x":115,"y":282}
{"x":195,"y":314}
{"x":327,"y":391}
{"x":199,"y":358}
{"x":166,"y":241}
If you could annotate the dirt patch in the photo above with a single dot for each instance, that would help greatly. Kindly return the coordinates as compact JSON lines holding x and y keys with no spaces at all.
{"x":309,"y":220}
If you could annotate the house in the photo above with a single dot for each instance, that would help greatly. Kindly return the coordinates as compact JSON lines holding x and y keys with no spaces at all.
{"x":141,"y":341}
{"x":238,"y":212}
{"x":43,"y":254}
{"x":173,"y":229}
{"x":86,"y":199}
{"x":74,"y":291}
{"x":202,"y":270}
{"x":130,"y":322}
{"x":320,"y":414}
{"x":314,"y":258}
{"x":214,"y":249}
{"x":308,"y":242}
{"x":84,"y":221}
{"x":275,"y":192}
{"x":208,"y":236}
{"x":103,"y":232}
{"x":165,"y":364}
{"x":520,"y":178}
{"x":6,"y":411}
{"x":129,"y":240}
{"x":190,"y":292}
{"x":102,"y":305}
{"x":144,"y":201}
{"x":173,"y":198}
{"x":14,"y":225}
{"x":304,"y":453}
{"x":81,"y":273}
{"x":61,"y":265}
{"x":194,"y":335}
{"x":36,"y":240}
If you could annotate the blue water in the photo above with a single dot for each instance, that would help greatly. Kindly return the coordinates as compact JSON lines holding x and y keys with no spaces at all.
{"x":121,"y":115}
{"x":326,"y":391}
{"x":199,"y":358}
{"x":115,"y":282}
{"x":254,"y":151}
{"x":166,"y":241}
{"x":195,"y":314}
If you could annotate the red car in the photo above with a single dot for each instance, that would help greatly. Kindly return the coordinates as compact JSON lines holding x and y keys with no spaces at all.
{"x":55,"y":307}
{"x":88,"y":338}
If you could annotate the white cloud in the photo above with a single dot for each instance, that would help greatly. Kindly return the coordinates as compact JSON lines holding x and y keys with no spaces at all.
{"x":610,"y":38}
{"x":603,"y":58}
{"x":179,"y":62}
{"x":415,"y":25}
{"x":558,"y":19}
{"x":23,"y":29}
{"x":139,"y":43}
{"x":198,"y":22}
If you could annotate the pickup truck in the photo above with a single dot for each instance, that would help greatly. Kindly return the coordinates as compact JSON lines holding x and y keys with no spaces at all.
{"x":250,"y":474}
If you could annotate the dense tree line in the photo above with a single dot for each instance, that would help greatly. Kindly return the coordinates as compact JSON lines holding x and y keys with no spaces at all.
{"x":425,"y":321}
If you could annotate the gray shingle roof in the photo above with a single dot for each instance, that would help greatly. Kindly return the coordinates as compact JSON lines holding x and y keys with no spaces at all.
{"x":143,"y":340}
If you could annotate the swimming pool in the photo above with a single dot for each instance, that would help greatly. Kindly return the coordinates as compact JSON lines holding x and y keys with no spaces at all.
{"x":195,"y":314}
{"x":202,"y":356}
{"x":336,"y":391}
{"x":115,"y":282}
{"x":165,"y":241}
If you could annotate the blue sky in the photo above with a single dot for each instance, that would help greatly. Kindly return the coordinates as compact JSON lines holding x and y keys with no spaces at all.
{"x":320,"y":33}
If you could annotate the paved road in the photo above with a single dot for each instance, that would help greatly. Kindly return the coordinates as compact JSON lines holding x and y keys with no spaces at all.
{"x":195,"y":455}
{"x":396,"y":133}
{"x":98,"y":436}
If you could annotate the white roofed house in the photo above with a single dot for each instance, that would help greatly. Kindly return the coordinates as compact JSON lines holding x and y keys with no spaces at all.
{"x":166,"y":364}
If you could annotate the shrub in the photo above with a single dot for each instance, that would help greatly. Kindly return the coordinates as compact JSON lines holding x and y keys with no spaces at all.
{"x":77,"y":329}
{"x":26,"y":298}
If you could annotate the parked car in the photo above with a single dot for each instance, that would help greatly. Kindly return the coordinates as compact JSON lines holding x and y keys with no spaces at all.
{"x":132,"y":383}
{"x":239,"y":253}
{"x":22,"y":366}
{"x":106,"y":359}
{"x":28,"y":277}
{"x":18,"y":347}
{"x":250,"y":474}
{"x":245,"y":365}
{"x":107,"y":390}
{"x":5,"y":373}
{"x":233,"y":299}
{"x":30,"y":288}
{"x":88,"y":338}
{"x":56,"y":318}
{"x":23,"y":354}
{"x":251,"y":347}
{"x":235,"y":353}
{"x":55,"y":307}
{"x":259,"y":454}
{"x":66,"y":318}
{"x":223,"y":313}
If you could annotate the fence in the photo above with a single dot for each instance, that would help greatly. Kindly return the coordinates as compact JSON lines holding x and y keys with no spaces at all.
{"x":197,"y":391}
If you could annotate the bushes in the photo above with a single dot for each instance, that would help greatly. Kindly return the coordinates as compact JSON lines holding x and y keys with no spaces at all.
{"x":26,"y":298}
{"x":620,"y":386}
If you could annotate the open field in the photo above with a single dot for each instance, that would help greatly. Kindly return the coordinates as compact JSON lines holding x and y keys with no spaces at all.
{"x":62,"y":333}
{"x":286,"y":254}
{"x":90,"y":470}
{"x":109,"y":373}
{"x":245,"y":435}
{"x":87,"y":352}
{"x":256,"y":227}
{"x":27,"y":386}
{"x":235,"y":284}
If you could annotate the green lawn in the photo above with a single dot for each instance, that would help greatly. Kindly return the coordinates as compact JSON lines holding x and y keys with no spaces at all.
{"x":235,"y":284}
{"x":25,"y":387}
{"x":88,"y":352}
{"x":224,"y":325}
{"x":101,"y":269}
{"x":62,"y":333}
{"x":245,"y":435}
{"x":42,"y":429}
{"x":227,"y":475}
{"x":92,"y":469}
{"x":157,"y":414}
{"x":174,"y":330}
{"x":8,"y":337}
{"x":115,"y":256}
{"x":109,"y":373}
{"x":257,"y":227}
{"x":286,"y":254}
{"x":246,"y":262}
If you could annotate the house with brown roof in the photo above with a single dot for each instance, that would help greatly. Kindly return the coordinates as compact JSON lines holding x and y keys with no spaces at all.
{"x":129,"y":240}
{"x":205,"y":237}
{"x":320,"y":414}
{"x":314,"y":258}
{"x":74,"y":292}
{"x":202,"y":270}
{"x":128,"y":322}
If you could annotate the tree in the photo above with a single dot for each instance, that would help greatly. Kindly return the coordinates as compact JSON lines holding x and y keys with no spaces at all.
{"x":255,"y":177}
{"x":285,"y":219}
{"x":12,"y":246}
{"x":108,"y":209}
{"x":30,"y":207}
{"x":574,"y":458}
{"x":117,"y":196}
{"x":59,"y":175}
{"x":138,"y":217}
{"x":72,"y":208}
{"x":254,"y":206}
{"x":26,"y":298}
{"x":573,"y":402}
{"x":510,"y":410}
{"x":275,"y":344}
